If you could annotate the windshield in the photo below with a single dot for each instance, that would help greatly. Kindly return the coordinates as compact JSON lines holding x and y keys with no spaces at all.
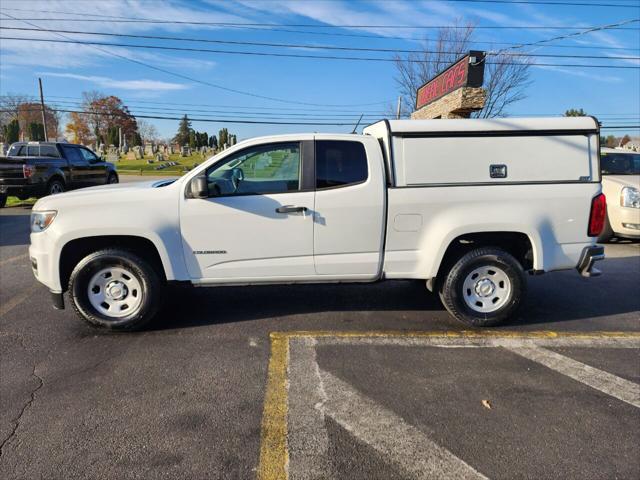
{"x":620,"y":163}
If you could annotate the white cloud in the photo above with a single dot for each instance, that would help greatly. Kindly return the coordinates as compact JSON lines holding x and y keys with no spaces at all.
{"x":106,"y":82}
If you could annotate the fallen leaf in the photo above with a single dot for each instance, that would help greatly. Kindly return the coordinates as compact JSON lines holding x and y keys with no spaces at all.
{"x":486,"y":404}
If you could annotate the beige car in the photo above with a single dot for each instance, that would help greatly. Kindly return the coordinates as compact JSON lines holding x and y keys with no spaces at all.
{"x":621,"y":185}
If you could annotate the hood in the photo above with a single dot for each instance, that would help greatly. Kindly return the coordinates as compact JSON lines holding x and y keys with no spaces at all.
{"x":111,"y":193}
{"x":622,"y":180}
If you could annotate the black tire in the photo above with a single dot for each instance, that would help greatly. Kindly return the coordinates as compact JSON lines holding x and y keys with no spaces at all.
{"x":112,"y":178}
{"x":147,"y":277}
{"x":55,"y":186}
{"x":3,"y":200}
{"x":452,"y":291}
{"x":607,"y":232}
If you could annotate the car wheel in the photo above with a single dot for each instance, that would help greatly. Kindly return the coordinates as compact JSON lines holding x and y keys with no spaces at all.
{"x":3,"y":200}
{"x":484,"y":288}
{"x":115,"y":289}
{"x":55,"y":186}
{"x":113,"y":178}
{"x":607,"y":232}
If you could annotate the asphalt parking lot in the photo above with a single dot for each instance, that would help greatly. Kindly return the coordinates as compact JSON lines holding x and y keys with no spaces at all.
{"x":359,"y":382}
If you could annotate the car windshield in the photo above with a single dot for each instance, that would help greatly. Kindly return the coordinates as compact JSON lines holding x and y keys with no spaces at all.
{"x":620,"y":163}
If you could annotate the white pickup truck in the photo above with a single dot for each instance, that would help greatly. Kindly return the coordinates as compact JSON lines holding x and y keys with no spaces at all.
{"x":468,"y":206}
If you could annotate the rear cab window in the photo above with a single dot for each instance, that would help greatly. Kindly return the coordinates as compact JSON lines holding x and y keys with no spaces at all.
{"x":49,"y":151}
{"x":340,"y":163}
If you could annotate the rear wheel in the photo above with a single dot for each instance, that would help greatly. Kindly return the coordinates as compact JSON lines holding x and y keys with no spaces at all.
{"x":55,"y":186}
{"x":484,"y":288}
{"x":113,"y":178}
{"x":115,"y":289}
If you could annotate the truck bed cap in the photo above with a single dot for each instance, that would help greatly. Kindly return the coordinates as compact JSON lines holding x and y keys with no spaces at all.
{"x":488,"y":125}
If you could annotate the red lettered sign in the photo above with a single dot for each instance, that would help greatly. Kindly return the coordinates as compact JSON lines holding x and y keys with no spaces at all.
{"x":460,"y":74}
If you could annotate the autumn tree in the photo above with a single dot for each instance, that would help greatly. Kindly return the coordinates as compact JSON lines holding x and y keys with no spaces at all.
{"x":626,"y":139}
{"x":506,"y":78}
{"x":105,"y":112}
{"x":78,"y":128}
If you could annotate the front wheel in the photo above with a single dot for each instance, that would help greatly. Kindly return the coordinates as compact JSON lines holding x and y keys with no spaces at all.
{"x":484,"y":288}
{"x":113,"y":178}
{"x":3,"y":200}
{"x":115,"y":289}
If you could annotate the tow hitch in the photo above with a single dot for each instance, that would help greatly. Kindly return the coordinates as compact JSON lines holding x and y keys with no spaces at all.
{"x":589,"y":256}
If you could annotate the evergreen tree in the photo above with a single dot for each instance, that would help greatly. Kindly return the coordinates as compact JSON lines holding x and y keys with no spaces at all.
{"x":112,"y":136}
{"x":223,"y":137}
{"x":184,"y":131}
{"x":191,"y":139}
{"x":572,"y":112}
{"x":36,"y":132}
{"x":12,"y":131}
{"x":213,"y":142}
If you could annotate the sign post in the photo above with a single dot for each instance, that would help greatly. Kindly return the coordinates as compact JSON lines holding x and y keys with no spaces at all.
{"x":455,"y":92}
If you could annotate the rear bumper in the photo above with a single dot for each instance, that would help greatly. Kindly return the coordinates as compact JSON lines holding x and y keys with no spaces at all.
{"x":589,"y":256}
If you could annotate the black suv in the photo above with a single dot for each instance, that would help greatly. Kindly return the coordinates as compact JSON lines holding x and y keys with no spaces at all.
{"x":37,"y":169}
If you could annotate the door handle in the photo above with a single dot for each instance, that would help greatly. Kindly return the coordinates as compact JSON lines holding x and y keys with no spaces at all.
{"x":290,"y":209}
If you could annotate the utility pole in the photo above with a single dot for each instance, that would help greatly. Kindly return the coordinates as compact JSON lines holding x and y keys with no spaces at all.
{"x":119,"y":137}
{"x":398,"y":111}
{"x":44,"y":118}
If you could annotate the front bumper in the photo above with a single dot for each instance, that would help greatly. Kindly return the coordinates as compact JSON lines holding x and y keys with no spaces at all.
{"x":589,"y":256}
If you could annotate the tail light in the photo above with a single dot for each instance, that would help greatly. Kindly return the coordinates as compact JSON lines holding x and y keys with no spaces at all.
{"x":597,"y":215}
{"x":28,"y":170}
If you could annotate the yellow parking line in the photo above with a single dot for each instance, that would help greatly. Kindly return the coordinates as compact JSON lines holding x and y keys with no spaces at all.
{"x":455,"y":334}
{"x":274,"y":456}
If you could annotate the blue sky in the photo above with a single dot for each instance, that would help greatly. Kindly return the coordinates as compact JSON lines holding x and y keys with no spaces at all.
{"x":334,"y":87}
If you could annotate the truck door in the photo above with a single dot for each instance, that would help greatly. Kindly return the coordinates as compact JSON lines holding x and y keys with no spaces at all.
{"x":257,"y":222}
{"x":349,"y":209}
{"x":78,"y":166}
{"x":97,"y":174}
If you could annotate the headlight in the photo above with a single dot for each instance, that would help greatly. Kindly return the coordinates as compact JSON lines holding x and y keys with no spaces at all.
{"x":630,"y":197}
{"x":40,"y":221}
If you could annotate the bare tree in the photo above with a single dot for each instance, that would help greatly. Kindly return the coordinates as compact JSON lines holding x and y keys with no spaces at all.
{"x":148,"y":131}
{"x":505,"y":78}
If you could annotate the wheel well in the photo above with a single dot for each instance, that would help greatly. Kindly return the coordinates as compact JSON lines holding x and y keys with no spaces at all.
{"x":76,"y":250}
{"x":56,"y":176}
{"x":516,"y":243}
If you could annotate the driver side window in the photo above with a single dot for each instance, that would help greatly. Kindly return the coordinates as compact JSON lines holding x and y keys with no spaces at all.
{"x":257,"y":170}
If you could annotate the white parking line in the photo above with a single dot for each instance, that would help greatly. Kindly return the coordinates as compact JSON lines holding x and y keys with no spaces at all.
{"x":605,"y":382}
{"x":397,"y":441}
{"x":307,"y":435}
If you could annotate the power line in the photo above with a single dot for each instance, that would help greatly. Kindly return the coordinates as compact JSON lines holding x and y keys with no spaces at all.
{"x":240,"y":121}
{"x":333,"y":34}
{"x":577,"y":34}
{"x":327,"y":47}
{"x":308,"y":25}
{"x":203,"y":82}
{"x":213,"y":120}
{"x":532,"y":2}
{"x":288,"y":55}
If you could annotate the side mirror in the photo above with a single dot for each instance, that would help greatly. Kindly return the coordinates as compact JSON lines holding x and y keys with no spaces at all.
{"x":198,"y":187}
